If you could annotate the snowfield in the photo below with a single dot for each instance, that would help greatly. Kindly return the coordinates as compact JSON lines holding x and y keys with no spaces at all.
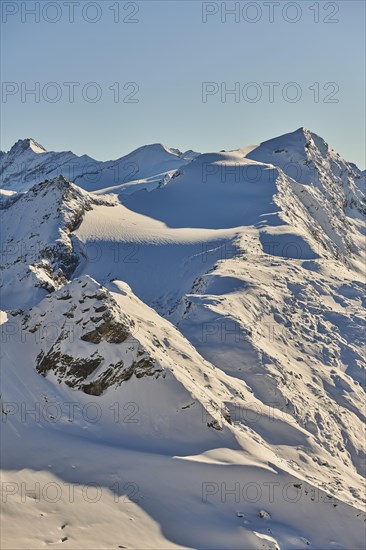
{"x":183,"y":349}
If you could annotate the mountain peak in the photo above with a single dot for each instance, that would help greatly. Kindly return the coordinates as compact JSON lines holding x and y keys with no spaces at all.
{"x":28,"y":144}
{"x":58,"y":182}
{"x":302,"y":130}
{"x":296,"y":144}
{"x":300,"y":136}
{"x":308,"y":136}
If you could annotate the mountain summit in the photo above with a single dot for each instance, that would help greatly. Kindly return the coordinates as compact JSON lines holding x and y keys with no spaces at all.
{"x":28,"y":144}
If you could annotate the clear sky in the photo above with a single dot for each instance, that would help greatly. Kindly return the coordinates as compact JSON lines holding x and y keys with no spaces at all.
{"x":168,"y":53}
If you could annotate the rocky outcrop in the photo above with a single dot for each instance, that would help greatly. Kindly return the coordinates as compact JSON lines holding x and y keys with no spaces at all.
{"x":85,"y":340}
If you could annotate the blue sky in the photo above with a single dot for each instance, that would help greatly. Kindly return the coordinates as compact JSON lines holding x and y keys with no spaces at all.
{"x":168,"y":53}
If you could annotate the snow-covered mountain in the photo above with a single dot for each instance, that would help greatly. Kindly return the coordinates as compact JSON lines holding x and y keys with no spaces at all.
{"x":28,"y":163}
{"x":210,"y":315}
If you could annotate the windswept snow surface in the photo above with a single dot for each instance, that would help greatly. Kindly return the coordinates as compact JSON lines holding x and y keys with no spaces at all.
{"x":191,"y":346}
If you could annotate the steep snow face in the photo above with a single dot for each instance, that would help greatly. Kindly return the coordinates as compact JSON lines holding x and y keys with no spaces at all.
{"x":307,"y":158}
{"x":37,"y":253}
{"x":23,"y":166}
{"x":324,"y":193}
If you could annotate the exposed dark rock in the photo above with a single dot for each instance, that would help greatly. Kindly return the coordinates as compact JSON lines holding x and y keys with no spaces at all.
{"x":116,"y":374}
{"x":109,"y":330}
{"x":66,"y":366}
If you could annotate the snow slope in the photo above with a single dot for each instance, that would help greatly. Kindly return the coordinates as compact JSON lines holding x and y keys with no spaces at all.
{"x":174,"y":425}
{"x":194,"y":354}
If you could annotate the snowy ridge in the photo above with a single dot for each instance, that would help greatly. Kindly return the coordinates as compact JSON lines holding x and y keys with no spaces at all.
{"x":38,"y":255}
